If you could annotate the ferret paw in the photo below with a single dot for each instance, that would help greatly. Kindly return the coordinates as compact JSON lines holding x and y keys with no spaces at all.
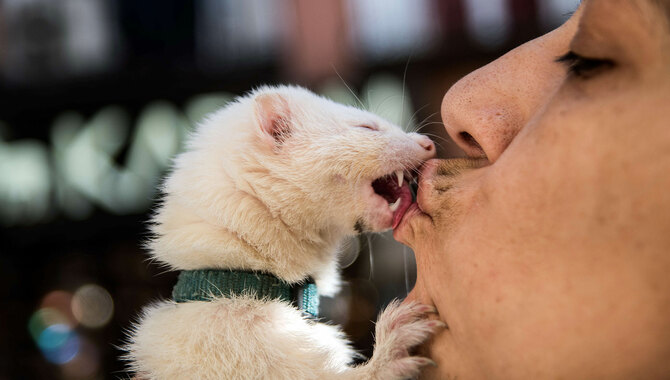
{"x":399,"y":328}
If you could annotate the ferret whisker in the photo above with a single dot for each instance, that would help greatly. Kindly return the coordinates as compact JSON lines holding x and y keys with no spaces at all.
{"x":381,"y":104}
{"x":415,"y":170}
{"x":432,"y":134}
{"x":402,"y":99}
{"x":426,"y":133}
{"x":426,"y":124}
{"x":362,"y":105}
{"x":412,"y":118}
{"x":428,"y":117}
{"x":367,"y":98}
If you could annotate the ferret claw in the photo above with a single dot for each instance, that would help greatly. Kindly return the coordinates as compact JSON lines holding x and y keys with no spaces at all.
{"x":426,"y":309}
{"x":425,"y":361}
{"x":437,"y":323}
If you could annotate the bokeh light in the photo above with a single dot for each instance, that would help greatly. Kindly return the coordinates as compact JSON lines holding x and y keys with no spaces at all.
{"x":59,"y":343}
{"x":60,"y":301}
{"x":86,"y":364}
{"x":53,"y":327}
{"x":92,"y":306}
{"x":44,"y":318}
{"x":489,"y":22}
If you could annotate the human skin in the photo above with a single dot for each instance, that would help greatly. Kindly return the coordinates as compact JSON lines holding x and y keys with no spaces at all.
{"x":547,"y":252}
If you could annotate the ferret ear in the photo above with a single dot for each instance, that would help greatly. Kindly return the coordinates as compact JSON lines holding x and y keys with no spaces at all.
{"x":273,"y":116}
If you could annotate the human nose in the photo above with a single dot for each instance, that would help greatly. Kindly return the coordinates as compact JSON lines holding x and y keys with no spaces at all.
{"x":484,"y":111}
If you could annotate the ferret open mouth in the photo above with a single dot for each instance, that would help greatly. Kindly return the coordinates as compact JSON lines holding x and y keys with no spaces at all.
{"x":394,"y":188}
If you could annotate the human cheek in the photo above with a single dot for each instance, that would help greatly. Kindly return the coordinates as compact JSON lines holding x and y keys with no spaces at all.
{"x":561,"y":231}
{"x":482,"y":264}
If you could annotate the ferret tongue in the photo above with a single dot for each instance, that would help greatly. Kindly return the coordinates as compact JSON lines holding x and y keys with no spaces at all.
{"x":405,"y":196}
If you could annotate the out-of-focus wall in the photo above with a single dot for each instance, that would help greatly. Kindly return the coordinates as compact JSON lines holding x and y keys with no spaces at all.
{"x":98,"y":95}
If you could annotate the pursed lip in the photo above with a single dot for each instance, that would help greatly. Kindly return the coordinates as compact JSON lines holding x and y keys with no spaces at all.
{"x":426,"y":171}
{"x":441,"y":176}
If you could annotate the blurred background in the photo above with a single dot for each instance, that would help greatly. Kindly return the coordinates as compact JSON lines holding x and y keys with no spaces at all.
{"x":98,"y":95}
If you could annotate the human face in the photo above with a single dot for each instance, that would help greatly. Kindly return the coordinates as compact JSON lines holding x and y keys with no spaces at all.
{"x":547,"y":252}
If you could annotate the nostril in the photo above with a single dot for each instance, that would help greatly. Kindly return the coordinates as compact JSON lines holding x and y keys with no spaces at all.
{"x":470,"y":141}
{"x":427,"y":144}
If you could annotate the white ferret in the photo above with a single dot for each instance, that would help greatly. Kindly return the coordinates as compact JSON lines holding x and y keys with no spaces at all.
{"x":266,"y":191}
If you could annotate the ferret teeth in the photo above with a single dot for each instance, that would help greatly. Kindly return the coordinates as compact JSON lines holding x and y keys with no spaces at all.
{"x":394,"y":206}
{"x":400,"y":174}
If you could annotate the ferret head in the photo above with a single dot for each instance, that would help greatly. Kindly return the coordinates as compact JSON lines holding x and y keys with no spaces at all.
{"x":347,"y":166}
{"x":283,"y":166}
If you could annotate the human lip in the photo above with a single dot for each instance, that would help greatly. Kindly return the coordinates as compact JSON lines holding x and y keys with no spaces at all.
{"x":424,"y":181}
{"x":425,"y":171}
{"x":438,"y":175}
{"x":411,"y":211}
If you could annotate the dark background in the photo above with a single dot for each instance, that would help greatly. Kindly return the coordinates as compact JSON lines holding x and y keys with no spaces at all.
{"x":96,"y":95}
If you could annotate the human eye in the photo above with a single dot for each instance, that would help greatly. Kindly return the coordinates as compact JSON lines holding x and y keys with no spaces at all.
{"x":583,"y":67}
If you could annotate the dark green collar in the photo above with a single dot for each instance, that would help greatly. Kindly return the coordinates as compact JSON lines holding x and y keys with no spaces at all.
{"x":206,"y":284}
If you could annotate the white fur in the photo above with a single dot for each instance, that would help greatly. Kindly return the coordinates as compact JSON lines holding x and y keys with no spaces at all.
{"x":274,"y":182}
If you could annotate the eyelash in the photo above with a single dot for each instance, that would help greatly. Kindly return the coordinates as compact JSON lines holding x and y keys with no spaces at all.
{"x":583,"y":67}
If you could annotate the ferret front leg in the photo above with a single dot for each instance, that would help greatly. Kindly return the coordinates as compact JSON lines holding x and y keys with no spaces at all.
{"x":399,"y":328}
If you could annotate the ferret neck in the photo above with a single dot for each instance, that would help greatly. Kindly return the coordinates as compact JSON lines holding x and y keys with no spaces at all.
{"x":209,"y":284}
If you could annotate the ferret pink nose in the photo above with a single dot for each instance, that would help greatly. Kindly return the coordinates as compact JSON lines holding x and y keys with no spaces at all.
{"x":426,"y":143}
